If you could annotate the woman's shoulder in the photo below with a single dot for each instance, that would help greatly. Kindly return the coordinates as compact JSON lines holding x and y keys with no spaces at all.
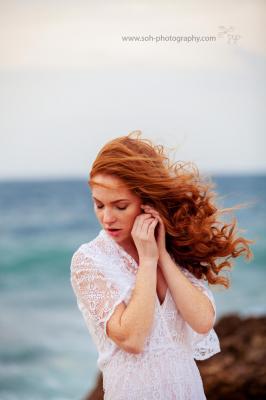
{"x":97,"y":249}
{"x":87,"y":256}
{"x":99,"y":255}
{"x":86,"y":247}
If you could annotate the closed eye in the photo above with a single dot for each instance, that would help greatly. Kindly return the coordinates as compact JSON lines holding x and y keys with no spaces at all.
{"x":119,"y":208}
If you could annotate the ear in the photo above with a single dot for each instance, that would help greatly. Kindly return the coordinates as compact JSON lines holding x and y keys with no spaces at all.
{"x":142,"y":210}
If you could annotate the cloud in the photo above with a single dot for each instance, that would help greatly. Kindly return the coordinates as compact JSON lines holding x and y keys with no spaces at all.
{"x":67,"y":35}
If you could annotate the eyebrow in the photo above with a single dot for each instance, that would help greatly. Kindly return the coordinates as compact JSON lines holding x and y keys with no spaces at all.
{"x":112,"y":202}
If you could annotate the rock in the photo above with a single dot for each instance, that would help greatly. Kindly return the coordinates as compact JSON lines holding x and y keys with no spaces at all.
{"x":97,"y":392}
{"x":238,"y":372}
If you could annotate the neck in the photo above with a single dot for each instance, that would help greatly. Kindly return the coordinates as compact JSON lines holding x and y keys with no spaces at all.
{"x":130,"y":248}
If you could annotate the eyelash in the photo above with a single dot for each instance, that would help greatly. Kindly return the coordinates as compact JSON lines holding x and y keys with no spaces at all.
{"x":119,"y":208}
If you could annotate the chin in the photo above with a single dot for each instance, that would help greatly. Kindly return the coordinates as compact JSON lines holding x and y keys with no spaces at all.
{"x":124,"y":237}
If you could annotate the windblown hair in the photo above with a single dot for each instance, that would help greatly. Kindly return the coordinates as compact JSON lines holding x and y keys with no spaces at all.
{"x":195,"y":237}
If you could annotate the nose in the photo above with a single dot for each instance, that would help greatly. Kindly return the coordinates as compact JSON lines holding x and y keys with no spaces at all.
{"x":108,"y":216}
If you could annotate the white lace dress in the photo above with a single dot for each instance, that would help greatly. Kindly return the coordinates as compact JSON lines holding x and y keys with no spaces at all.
{"x":103,"y":274}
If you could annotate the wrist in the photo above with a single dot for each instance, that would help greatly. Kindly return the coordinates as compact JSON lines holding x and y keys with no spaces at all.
{"x":148,"y":261}
{"x":164,"y":257}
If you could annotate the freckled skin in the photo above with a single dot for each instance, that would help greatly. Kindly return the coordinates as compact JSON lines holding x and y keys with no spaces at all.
{"x":110,"y":215}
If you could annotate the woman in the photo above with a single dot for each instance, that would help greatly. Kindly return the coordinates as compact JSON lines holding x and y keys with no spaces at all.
{"x":140,"y":283}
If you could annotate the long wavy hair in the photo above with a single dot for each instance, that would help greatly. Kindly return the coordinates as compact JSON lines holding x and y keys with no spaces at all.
{"x":195,"y":237}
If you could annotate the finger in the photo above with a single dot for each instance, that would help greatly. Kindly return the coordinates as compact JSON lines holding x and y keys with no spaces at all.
{"x":153,"y":212}
{"x":145,"y":227}
{"x":143,"y":218}
{"x":150,"y":209}
{"x":152,"y":226}
{"x":146,"y":224}
{"x":143,"y":215}
{"x":146,"y":208}
{"x":140,"y":220}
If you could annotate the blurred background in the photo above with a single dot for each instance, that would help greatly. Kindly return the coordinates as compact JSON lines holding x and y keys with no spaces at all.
{"x":75,"y":74}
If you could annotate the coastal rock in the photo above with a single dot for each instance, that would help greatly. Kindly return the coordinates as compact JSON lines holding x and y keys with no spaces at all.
{"x":238,"y":372}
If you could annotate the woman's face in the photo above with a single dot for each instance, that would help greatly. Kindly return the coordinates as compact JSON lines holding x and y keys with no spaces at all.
{"x":116,"y":207}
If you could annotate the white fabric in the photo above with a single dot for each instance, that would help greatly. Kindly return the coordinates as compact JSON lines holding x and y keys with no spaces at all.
{"x":103,"y":274}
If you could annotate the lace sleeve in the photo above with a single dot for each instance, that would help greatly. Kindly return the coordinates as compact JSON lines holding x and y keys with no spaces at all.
{"x":96,"y":295}
{"x":207,"y":344}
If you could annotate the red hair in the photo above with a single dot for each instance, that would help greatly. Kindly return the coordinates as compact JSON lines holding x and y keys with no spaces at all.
{"x":195,"y":237}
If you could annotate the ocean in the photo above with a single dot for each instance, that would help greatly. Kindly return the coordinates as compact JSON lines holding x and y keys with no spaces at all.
{"x":45,"y":349}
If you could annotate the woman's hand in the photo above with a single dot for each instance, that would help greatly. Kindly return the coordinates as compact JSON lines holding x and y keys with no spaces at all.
{"x":161,"y":230}
{"x":144,"y":237}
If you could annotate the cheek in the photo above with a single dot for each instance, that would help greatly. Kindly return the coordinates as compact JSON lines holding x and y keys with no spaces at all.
{"x":131,"y":216}
{"x":97,"y":213}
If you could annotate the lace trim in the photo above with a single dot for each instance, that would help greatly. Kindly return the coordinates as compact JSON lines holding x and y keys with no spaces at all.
{"x":97,"y":296}
{"x":207,"y":344}
{"x":100,"y":285}
{"x":119,"y":300}
{"x":128,"y":261}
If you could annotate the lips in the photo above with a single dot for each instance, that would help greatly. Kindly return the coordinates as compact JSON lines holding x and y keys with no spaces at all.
{"x":113,"y":231}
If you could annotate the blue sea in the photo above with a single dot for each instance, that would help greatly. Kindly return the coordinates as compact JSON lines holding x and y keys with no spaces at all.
{"x":45,"y":349}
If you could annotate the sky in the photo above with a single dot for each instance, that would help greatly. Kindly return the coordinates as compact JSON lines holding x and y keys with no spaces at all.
{"x":69,"y":83}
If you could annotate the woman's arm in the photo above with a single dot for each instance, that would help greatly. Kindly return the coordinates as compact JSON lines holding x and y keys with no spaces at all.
{"x":129,"y":325}
{"x":137,"y":318}
{"x":193,"y":305}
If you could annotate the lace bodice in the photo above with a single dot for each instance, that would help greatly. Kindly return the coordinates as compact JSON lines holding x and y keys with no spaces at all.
{"x":102,"y":276}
